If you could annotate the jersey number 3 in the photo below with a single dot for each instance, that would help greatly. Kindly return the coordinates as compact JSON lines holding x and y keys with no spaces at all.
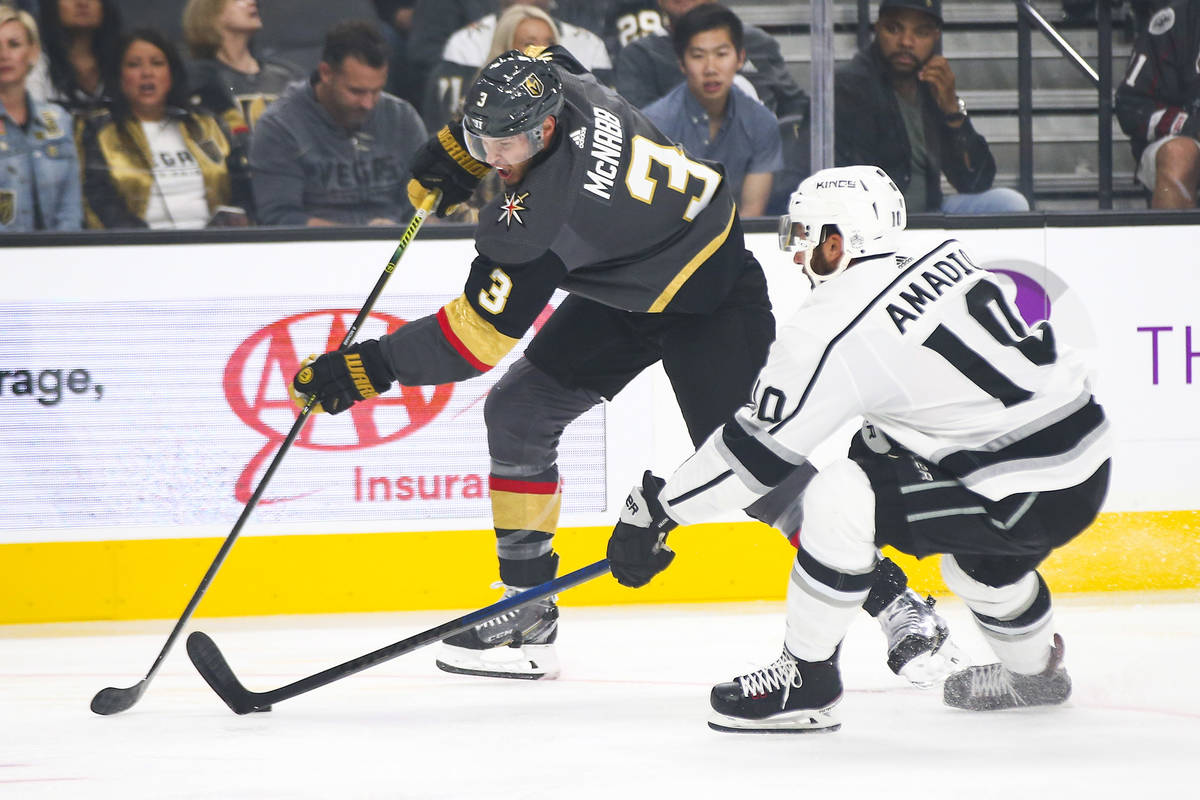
{"x":680,"y":169}
{"x":495,"y":297}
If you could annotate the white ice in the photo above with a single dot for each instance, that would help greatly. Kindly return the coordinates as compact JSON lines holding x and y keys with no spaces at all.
{"x":626,"y":719}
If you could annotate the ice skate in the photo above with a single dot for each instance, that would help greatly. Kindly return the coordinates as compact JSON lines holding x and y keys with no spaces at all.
{"x":787,"y":696}
{"x":919,"y":645}
{"x":994,"y":687}
{"x":516,"y":644}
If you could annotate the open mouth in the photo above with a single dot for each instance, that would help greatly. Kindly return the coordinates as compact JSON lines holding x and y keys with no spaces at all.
{"x":503,"y":172}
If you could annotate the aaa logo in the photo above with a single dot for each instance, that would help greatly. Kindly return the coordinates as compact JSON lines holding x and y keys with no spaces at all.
{"x":257,"y":376}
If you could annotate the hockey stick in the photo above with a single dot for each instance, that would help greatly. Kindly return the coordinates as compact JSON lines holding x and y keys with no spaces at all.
{"x":113,"y":700}
{"x":216,"y":670}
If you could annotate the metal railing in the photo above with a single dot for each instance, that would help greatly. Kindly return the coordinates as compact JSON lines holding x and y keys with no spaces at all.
{"x":1029,"y":17}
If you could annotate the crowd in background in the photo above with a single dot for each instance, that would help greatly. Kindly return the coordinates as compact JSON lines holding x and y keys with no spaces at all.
{"x":184,"y":114}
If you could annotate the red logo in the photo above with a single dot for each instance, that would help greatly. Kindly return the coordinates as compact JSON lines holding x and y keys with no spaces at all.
{"x":260,"y":369}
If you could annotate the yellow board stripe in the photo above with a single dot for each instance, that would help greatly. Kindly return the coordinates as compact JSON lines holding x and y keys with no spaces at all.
{"x":476,"y":334}
{"x":526,"y":512}
{"x":668,"y":294}
{"x":153,"y":579}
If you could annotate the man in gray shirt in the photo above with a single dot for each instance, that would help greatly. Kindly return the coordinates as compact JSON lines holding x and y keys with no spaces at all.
{"x":335,"y":150}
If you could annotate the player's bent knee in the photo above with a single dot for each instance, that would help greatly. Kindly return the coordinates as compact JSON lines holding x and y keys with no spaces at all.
{"x":1002,"y":602}
{"x":839,"y":517}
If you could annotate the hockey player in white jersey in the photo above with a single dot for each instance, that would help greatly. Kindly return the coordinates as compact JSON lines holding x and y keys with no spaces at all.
{"x":981,"y":441}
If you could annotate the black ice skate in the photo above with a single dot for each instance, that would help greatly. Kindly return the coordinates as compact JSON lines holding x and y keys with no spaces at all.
{"x":919,"y":644}
{"x":994,"y":687}
{"x":788,"y":696}
{"x":516,"y":644}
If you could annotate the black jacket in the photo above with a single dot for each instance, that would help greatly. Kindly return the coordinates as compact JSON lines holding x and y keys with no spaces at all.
{"x":869,"y":129}
{"x":1160,"y":94}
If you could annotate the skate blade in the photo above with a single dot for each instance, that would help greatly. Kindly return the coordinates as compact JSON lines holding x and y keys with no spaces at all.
{"x":929,"y":669}
{"x":807,"y":720}
{"x":530,"y":662}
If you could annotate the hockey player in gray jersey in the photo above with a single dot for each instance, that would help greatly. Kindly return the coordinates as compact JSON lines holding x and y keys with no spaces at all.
{"x":648,"y":244}
{"x":982,"y":441}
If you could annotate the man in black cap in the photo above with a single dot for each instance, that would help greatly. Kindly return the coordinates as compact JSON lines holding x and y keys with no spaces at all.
{"x":897,"y":107}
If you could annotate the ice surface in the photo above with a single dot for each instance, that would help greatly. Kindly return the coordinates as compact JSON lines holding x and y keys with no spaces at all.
{"x":625,"y":721}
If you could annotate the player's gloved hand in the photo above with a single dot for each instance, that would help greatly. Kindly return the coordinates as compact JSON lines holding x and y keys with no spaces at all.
{"x":637,"y":549}
{"x":344,"y":377}
{"x":443,"y":164}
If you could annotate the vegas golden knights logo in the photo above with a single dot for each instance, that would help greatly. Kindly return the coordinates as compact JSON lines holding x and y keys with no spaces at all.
{"x":533,"y":85}
{"x":51,"y":123}
{"x":8,"y":207}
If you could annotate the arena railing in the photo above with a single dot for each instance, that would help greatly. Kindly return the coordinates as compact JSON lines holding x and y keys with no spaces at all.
{"x":1029,"y":17}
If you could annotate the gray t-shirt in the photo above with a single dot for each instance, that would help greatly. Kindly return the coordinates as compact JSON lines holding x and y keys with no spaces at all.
{"x":915,"y":195}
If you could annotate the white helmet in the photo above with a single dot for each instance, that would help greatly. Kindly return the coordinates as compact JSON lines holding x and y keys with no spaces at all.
{"x":862,"y":203}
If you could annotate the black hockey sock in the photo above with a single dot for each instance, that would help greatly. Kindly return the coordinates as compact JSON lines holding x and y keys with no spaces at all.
{"x":529,"y":572}
{"x":890,"y":583}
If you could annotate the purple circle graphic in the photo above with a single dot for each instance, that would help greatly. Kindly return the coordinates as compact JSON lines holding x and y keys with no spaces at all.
{"x":1033,"y":302}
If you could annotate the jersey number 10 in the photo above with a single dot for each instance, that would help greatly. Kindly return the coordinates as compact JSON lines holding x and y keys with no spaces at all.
{"x":1039,"y":349}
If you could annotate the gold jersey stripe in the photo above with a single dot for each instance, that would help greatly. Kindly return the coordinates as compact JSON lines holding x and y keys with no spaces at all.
{"x":526,"y":512}
{"x":681,"y":278}
{"x":475,"y":333}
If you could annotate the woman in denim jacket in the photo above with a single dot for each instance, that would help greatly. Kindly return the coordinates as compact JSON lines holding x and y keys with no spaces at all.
{"x":39,"y":170}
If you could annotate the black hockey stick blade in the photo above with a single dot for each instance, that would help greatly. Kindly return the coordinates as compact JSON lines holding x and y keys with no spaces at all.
{"x":113,"y":700}
{"x":220,"y":676}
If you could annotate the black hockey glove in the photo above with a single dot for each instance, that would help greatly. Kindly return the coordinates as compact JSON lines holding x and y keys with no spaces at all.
{"x":637,"y":549}
{"x":342,"y":378}
{"x":443,"y":164}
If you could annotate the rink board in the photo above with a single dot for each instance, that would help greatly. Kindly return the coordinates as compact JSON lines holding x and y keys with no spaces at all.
{"x":135,"y":419}
{"x":146,"y":579}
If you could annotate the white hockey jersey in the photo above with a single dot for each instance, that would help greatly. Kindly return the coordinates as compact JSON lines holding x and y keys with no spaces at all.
{"x":928,"y":351}
{"x":469,"y":45}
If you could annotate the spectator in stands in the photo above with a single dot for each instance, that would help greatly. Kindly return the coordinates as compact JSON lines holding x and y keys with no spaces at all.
{"x":1158,"y":105}
{"x":712,"y":118}
{"x":79,"y":41}
{"x":896,"y":106}
{"x":39,"y":171}
{"x":30,"y":6}
{"x":335,"y":150}
{"x":150,"y":160}
{"x":468,"y":49}
{"x":617,"y":22}
{"x":228,"y":77}
{"x":435,"y":20}
{"x":397,"y":16}
{"x":647,"y":68}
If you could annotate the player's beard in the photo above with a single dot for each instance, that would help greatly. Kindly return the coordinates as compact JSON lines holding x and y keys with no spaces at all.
{"x":513,"y":174}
